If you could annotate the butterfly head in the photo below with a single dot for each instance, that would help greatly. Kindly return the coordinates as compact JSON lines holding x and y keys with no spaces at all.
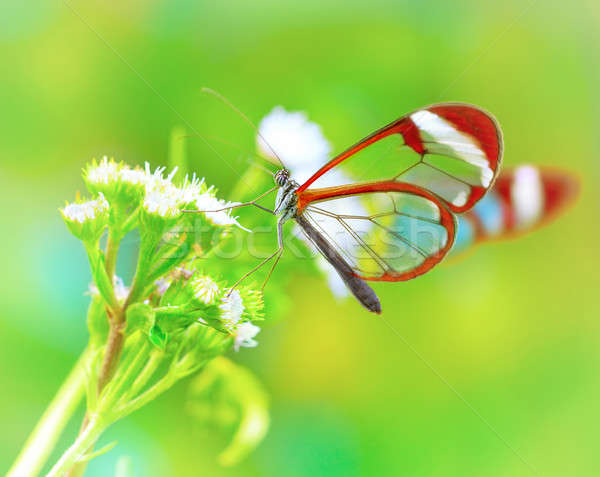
{"x":282,"y":177}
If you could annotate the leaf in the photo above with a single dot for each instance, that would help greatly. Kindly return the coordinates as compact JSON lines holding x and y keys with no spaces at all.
{"x":140,"y":316}
{"x":104,"y":284}
{"x":91,"y":372}
{"x":158,"y":337}
{"x":97,"y":321}
{"x":169,"y":262}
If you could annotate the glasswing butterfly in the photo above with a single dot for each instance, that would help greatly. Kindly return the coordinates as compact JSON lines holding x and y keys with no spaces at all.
{"x":409,"y":220}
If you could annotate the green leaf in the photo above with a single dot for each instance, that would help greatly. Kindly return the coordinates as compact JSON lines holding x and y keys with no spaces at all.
{"x":158,"y":337}
{"x":104,"y":284}
{"x":97,"y":321}
{"x":140,"y":316}
{"x":91,"y":372}
{"x":169,"y":262}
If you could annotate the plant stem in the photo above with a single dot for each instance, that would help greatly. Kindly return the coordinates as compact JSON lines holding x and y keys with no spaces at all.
{"x":121,"y":382}
{"x":43,"y":438}
{"x":112,"y":249}
{"x":112,"y":354}
{"x":80,"y":447}
{"x":146,"y":373}
{"x":151,"y":393}
{"x":140,"y":278}
{"x":114,"y":346}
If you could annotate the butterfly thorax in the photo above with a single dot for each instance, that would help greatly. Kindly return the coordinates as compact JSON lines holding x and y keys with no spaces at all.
{"x":286,"y":201}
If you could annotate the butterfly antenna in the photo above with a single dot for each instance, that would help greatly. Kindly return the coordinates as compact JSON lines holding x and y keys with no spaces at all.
{"x":259,"y":165}
{"x":230,"y":144}
{"x":245,"y":118}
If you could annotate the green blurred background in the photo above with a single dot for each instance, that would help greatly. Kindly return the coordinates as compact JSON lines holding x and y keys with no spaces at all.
{"x":513,"y":328}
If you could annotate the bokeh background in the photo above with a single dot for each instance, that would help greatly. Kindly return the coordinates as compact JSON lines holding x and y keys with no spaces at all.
{"x":513,"y":328}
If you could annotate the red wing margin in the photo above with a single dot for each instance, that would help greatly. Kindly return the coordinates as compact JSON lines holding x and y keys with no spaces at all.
{"x":458,"y":152}
{"x":386,"y":231}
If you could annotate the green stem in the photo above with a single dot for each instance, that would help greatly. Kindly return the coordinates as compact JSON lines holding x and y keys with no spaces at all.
{"x":142,"y":379}
{"x":121,"y":382}
{"x":80,"y":447}
{"x":112,"y":249}
{"x":151,"y":393}
{"x":147,"y":248}
{"x":131,"y":222}
{"x":42,"y":440}
{"x":110,"y":361}
{"x":114,"y":346}
{"x":107,"y":291}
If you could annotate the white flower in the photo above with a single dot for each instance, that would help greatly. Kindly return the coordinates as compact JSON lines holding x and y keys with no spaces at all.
{"x":211,"y":206}
{"x":231,"y":308}
{"x":156,"y":178}
{"x":163,"y":200}
{"x":133,"y":176}
{"x":190,"y":190}
{"x":162,"y":197}
{"x":103,"y":173}
{"x":244,"y":335}
{"x":87,"y":210}
{"x":295,"y":139}
{"x":206,"y":290}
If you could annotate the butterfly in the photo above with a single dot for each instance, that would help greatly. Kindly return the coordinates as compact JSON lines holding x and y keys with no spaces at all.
{"x":408,"y":219}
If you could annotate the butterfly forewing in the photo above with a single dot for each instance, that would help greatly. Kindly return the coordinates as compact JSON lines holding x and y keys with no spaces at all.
{"x":455,"y":151}
{"x":386,"y":231}
{"x":401,"y":224}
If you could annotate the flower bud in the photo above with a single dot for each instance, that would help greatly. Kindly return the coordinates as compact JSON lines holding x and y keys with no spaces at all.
{"x":117,"y":181}
{"x":205,"y":290}
{"x":244,"y":334}
{"x":87,"y":220}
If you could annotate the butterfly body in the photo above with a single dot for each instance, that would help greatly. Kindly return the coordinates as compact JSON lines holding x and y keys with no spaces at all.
{"x":286,"y":208}
{"x":286,"y":200}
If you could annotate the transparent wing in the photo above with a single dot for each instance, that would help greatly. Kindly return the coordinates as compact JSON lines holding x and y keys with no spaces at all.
{"x":451,"y":149}
{"x":386,"y":231}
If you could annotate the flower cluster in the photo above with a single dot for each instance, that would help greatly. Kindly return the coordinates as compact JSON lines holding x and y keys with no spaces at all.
{"x":157,"y":194}
{"x":173,"y":293}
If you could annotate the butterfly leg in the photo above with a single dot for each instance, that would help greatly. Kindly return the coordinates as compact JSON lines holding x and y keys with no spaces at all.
{"x":243,"y":204}
{"x":277,"y":253}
